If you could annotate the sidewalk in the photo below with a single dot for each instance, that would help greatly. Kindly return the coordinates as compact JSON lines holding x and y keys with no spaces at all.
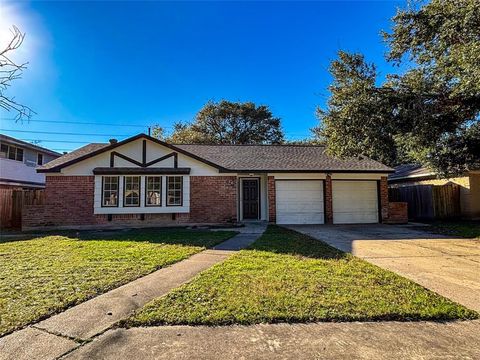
{"x":374,"y":340}
{"x":61,"y":333}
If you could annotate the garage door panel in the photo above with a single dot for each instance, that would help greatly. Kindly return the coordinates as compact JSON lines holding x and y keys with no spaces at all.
{"x":354,"y":202}
{"x":300,"y":218}
{"x":299,"y":201}
{"x":360,"y":217}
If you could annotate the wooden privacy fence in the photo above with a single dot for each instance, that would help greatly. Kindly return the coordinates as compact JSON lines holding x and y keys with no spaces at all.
{"x":12,"y":202}
{"x":429,"y":201}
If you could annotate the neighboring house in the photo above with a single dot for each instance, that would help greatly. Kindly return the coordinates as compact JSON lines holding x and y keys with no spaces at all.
{"x":18,"y":163}
{"x":469,"y":183}
{"x":142,"y":181}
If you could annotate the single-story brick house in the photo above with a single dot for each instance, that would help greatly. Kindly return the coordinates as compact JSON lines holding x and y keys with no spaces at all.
{"x":142,"y":181}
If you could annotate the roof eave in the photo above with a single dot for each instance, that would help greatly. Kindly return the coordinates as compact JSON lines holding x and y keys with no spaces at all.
{"x":307,"y":171}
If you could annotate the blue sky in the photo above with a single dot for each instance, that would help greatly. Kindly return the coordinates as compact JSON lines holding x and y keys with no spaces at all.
{"x":137,"y":64}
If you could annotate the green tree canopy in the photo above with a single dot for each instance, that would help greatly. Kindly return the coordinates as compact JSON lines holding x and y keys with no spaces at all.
{"x":228,"y":122}
{"x":427,"y":114}
{"x":355,"y":121}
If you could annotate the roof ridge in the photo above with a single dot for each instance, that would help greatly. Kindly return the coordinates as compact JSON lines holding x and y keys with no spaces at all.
{"x":266,"y":145}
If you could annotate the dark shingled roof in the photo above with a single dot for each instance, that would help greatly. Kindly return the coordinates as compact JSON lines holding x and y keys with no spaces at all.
{"x":279,"y":158}
{"x":75,"y":154}
{"x":410,"y":171}
{"x":245,"y":157}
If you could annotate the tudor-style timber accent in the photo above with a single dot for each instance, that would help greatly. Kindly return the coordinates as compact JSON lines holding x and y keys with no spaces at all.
{"x":140,"y":171}
{"x":144,"y":163}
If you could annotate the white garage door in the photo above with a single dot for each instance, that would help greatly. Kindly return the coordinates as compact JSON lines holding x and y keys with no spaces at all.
{"x":299,"y":201}
{"x":354,"y":202}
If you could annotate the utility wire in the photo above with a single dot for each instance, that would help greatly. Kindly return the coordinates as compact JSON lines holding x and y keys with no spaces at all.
{"x":83,"y":123}
{"x":58,"y":141}
{"x":62,"y":133}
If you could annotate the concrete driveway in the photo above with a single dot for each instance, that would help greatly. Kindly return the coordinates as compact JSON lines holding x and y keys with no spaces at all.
{"x":448,"y":266}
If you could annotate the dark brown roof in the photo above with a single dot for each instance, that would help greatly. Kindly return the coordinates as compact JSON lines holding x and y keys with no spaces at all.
{"x":280,"y":158}
{"x":74,"y":155}
{"x":233,"y":158}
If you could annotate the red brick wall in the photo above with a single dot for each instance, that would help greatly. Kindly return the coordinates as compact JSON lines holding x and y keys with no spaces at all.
{"x":272,"y":210}
{"x":397,"y":213}
{"x":213,"y":199}
{"x":69,"y":202}
{"x":328,"y":200}
{"x":384,"y":198}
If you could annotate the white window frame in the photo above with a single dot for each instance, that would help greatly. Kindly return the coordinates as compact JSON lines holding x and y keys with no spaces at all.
{"x":139,"y":190}
{"x":175,"y":190}
{"x":117,"y":191}
{"x":159,"y":190}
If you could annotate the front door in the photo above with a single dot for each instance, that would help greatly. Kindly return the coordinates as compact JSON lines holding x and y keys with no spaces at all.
{"x":250,"y":198}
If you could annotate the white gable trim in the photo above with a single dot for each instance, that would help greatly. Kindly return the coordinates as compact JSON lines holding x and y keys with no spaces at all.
{"x":134,"y":150}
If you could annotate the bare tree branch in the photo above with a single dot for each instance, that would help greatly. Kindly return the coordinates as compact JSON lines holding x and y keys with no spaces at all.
{"x":10,"y":71}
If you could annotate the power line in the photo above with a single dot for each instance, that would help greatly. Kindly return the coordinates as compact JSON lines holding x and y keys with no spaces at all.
{"x":83,"y":123}
{"x":62,"y":133}
{"x":58,"y":141}
{"x":76,"y":122}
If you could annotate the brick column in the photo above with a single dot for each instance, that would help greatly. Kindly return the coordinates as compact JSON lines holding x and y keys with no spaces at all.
{"x":328,"y":200}
{"x":272,"y":211}
{"x":383,"y":198}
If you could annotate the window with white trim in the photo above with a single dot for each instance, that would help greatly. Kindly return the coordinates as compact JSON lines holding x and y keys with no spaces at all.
{"x":11,"y":152}
{"x":131,"y":191}
{"x":153,"y":188}
{"x":110,"y":191}
{"x":174,"y":190}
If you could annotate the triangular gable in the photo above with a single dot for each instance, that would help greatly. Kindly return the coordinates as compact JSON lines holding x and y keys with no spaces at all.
{"x":142,"y":163}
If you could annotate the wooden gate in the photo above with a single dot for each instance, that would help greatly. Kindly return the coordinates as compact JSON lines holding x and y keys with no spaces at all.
{"x":429,"y":201}
{"x":12,"y":202}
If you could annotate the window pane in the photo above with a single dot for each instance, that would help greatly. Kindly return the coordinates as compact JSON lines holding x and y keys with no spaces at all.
{"x":11,"y":153}
{"x":39,"y":159}
{"x":132,"y":191}
{"x":154,"y":190}
{"x":110,"y":191}
{"x":3,"y":151}
{"x":175,"y":191}
{"x":19,"y":154}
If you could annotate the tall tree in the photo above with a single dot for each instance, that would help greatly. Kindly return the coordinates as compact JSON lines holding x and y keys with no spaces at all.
{"x":228,"y":122}
{"x":428,"y":114}
{"x":9,"y":72}
{"x":356,"y":121}
{"x":438,"y":100}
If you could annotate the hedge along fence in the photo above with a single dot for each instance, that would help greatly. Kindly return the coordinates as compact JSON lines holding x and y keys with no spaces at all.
{"x":429,"y":201}
{"x":12,"y":202}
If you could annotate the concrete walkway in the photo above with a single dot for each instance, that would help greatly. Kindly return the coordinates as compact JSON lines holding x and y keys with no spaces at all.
{"x":381,"y":340}
{"x":58,"y":334}
{"x":448,"y":266}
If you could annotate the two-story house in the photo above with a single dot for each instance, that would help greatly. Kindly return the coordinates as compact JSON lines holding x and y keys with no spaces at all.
{"x":18,"y":161}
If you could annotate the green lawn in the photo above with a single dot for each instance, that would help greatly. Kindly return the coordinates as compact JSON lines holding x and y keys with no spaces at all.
{"x":288,"y":277}
{"x":42,"y":276}
{"x":467,"y":229}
